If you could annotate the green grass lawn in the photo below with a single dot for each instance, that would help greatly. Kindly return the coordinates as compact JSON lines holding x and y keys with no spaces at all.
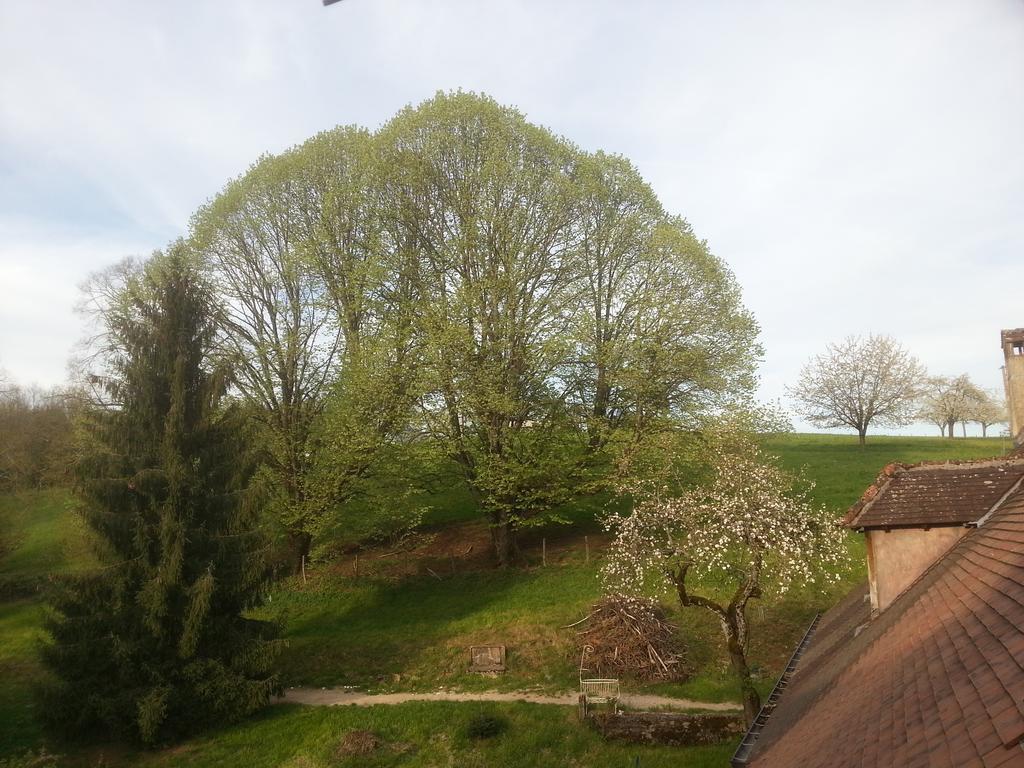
{"x":411,"y":632}
{"x":39,"y":535}
{"x":414,"y":634}
{"x":419,"y":735}
{"x":20,"y":632}
{"x":841,"y":469}
{"x":366,"y":633}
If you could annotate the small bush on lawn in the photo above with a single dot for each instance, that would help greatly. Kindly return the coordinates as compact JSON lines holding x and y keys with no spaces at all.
{"x":485,"y":726}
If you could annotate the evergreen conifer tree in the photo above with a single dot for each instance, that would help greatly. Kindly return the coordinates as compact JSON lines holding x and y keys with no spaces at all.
{"x":153,"y":644}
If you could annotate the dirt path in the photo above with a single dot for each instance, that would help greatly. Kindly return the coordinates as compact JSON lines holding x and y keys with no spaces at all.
{"x":334,"y":697}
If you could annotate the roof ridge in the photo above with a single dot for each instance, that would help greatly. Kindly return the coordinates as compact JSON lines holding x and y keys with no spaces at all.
{"x":960,"y":619}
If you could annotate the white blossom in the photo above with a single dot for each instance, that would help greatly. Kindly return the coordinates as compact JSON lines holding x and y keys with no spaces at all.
{"x":752,"y":517}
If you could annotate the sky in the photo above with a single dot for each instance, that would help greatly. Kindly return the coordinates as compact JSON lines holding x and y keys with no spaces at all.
{"x":859,"y":166}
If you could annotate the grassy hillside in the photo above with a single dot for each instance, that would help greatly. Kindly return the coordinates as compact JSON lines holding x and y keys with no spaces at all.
{"x":842,"y":469}
{"x":19,"y":668}
{"x":403,"y":622}
{"x":39,"y":535}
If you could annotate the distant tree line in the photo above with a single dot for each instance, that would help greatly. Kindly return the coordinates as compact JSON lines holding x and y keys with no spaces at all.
{"x":863,"y":381}
{"x":950,"y":400}
{"x":36,"y":440}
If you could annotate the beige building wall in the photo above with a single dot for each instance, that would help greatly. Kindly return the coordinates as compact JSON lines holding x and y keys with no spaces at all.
{"x":898,"y":556}
{"x":1013,"y":378}
{"x":1015,"y":394}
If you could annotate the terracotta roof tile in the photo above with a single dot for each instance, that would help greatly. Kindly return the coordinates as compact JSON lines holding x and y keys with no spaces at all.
{"x":934,"y":493}
{"x":936,"y":680}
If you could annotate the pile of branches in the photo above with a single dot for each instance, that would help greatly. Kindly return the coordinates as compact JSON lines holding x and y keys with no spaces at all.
{"x":629,"y":636}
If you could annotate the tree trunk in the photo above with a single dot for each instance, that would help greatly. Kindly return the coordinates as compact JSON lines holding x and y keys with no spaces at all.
{"x":601,"y":397}
{"x":862,"y":436}
{"x":734,"y":627}
{"x":951,"y":429}
{"x":984,"y":429}
{"x":503,"y":534}
{"x":299,"y":543}
{"x":963,"y":426}
{"x":738,"y":659}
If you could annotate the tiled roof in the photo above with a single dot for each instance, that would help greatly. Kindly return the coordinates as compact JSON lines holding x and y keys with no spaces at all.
{"x":936,"y":680}
{"x":837,"y":627}
{"x":934,"y":493}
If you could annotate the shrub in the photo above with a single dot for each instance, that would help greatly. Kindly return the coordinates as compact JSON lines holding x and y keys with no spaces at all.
{"x":485,"y":726}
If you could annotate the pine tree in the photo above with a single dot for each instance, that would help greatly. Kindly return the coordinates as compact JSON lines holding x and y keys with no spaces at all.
{"x":153,"y":645}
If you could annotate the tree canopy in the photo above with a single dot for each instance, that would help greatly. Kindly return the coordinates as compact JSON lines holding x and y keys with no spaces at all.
{"x":464,"y":279}
{"x":556,"y":303}
{"x":989,"y":409}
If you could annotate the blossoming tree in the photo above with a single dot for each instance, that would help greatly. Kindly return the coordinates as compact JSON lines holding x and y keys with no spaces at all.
{"x":751,"y":528}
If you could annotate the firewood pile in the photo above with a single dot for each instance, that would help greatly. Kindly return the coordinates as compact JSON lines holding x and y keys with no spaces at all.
{"x":629,"y":637}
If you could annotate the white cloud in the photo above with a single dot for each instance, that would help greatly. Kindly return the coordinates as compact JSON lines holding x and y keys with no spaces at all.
{"x":40,"y":272}
{"x":857,"y":164}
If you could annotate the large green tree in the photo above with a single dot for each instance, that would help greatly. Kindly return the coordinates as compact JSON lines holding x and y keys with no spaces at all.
{"x":354,"y":250}
{"x":278,"y":332}
{"x":318,"y":310}
{"x":558,"y":304}
{"x":487,"y":204}
{"x":660,"y":328}
{"x":153,"y":644}
{"x":466,"y":278}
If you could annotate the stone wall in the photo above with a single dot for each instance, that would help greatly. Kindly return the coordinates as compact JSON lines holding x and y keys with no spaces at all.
{"x":676,"y":728}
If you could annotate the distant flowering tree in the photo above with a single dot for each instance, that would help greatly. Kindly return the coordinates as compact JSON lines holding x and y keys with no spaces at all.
{"x":749,"y":529}
{"x":859,"y":382}
{"x":949,"y":400}
{"x":989,"y":409}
